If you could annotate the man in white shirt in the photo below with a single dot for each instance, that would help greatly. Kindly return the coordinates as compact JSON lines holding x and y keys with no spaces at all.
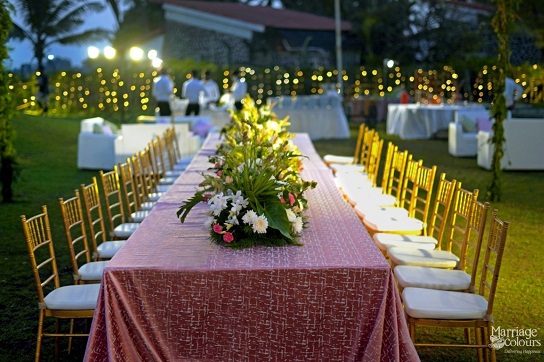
{"x":512,"y":93}
{"x":238,"y":89}
{"x":191,"y":91}
{"x":212,"y":91}
{"x":162,"y":91}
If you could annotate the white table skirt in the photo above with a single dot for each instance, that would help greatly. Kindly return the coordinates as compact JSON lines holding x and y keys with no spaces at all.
{"x":319,"y":123}
{"x":413,"y":121}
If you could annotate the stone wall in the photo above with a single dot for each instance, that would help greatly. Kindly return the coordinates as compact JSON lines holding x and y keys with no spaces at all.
{"x":183,"y":41}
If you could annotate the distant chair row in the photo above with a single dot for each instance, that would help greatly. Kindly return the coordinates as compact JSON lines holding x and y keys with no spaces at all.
{"x":432,"y":235}
{"x":129,"y":192}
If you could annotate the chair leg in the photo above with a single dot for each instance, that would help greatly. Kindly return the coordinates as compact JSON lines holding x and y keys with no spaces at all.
{"x":40,"y":336}
{"x":467,"y":335}
{"x":70,"y":338}
{"x":479,"y":340}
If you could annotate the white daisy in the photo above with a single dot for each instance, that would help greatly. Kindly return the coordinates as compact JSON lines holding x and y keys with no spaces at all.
{"x":297,"y":225}
{"x":249,"y":217}
{"x":291,"y":216}
{"x":260,"y":225}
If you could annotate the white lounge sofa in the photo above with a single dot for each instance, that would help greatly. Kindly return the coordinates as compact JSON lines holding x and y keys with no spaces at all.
{"x":523,"y":149}
{"x":462,"y":134}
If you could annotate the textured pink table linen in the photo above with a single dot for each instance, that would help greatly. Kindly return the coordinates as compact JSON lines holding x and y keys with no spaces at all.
{"x":172,"y":295}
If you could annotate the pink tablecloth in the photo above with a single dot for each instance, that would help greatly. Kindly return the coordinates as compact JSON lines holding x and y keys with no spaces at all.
{"x":172,"y":295}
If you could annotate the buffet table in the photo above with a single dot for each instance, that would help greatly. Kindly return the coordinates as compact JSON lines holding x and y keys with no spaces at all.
{"x":320,"y":116}
{"x":416,"y":121}
{"x":170,"y":294}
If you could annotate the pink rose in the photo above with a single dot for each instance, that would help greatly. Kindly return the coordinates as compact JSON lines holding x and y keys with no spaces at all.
{"x":228,"y":237}
{"x":219,"y":173}
{"x":291,"y":199}
{"x":282,"y":200}
{"x":217,"y":228}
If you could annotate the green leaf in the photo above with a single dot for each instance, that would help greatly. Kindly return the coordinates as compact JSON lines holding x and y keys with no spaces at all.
{"x":189,"y":204}
{"x":277,"y":218}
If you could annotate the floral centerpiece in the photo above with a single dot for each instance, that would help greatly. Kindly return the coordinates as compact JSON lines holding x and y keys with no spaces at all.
{"x":254,"y":190}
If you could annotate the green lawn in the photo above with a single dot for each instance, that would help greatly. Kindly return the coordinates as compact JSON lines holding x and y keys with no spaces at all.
{"x":47,"y":149}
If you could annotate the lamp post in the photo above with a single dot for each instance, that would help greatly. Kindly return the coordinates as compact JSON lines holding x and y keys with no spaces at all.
{"x":338,"y":32}
{"x":387,"y":64}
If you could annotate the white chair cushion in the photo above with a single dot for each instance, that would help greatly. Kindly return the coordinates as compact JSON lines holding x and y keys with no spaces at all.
{"x":163,"y":188}
{"x":124,"y":230}
{"x":167,"y":180}
{"x":421,"y":257}
{"x":385,"y":241}
{"x":107,"y":249}
{"x":431,"y":278}
{"x":371,"y":209}
{"x":148,"y":205}
{"x":73,"y":297}
{"x":338,"y":159}
{"x":441,"y":304}
{"x":154,"y":197}
{"x":372,"y":196}
{"x":392,"y":223}
{"x":92,"y":270}
{"x":352,"y":168}
{"x":173,"y":173}
{"x":139,"y":216}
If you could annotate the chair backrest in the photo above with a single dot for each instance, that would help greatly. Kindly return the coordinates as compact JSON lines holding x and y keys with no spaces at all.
{"x":170,"y":147}
{"x":366,"y":147}
{"x":158,"y":156}
{"x":39,"y":243}
{"x":470,"y":254}
{"x":142,"y":188}
{"x":356,"y":156}
{"x":396,"y":176}
{"x":441,"y":207}
{"x":409,"y":186}
{"x":391,"y":149}
{"x":491,"y":267}
{"x":113,"y":199}
{"x":463,"y":207}
{"x":373,"y":165}
{"x":74,"y":228}
{"x":421,"y":197}
{"x":95,"y":218}
{"x":149,"y":176}
{"x":130,"y":192}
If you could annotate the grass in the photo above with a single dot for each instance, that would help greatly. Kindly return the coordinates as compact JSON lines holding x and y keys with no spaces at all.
{"x":47,"y":150}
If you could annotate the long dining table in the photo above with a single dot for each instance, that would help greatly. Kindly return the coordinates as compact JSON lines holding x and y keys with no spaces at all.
{"x":170,"y":294}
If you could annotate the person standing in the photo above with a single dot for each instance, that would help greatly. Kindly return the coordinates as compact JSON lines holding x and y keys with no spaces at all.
{"x":212,"y":91}
{"x":43,"y":90}
{"x":191,"y":90}
{"x":512,"y":93}
{"x":238,"y":89}
{"x":162,"y":91}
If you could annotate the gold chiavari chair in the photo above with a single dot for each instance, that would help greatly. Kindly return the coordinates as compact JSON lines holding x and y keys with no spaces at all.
{"x":389,"y":220}
{"x":449,"y":309}
{"x":407,"y":199}
{"x":435,"y":227}
{"x":363,"y":158}
{"x":84,"y":270}
{"x":444,"y":256}
{"x":130,"y":194}
{"x":56,"y":301}
{"x":346,"y":160}
{"x":119,"y":228}
{"x":462,"y":278}
{"x":103,"y":248}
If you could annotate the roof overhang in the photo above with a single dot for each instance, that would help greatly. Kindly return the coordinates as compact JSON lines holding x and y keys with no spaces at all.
{"x":200,"y":19}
